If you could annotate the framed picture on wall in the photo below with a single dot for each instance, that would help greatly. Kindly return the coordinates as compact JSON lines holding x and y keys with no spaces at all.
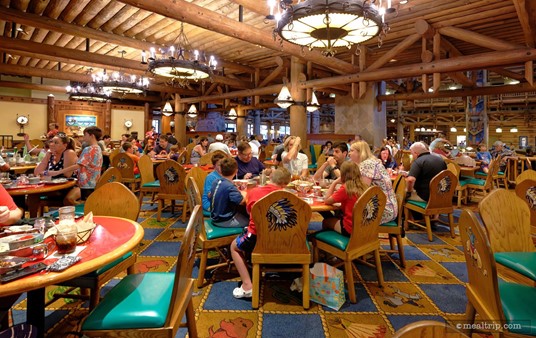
{"x":523,"y":142}
{"x":75,"y":124}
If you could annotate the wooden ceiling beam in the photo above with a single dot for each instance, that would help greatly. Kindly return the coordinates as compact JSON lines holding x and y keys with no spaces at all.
{"x":209,"y":20}
{"x":478,"y":39}
{"x":495,"y":90}
{"x":462,"y":63}
{"x":43,"y":22}
{"x":524,"y":20}
{"x":93,"y":59}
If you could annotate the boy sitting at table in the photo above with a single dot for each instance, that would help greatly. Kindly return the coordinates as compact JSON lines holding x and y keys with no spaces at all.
{"x":226,"y":199}
{"x":245,"y":243}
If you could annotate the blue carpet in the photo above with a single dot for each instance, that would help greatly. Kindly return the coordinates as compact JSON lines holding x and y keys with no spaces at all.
{"x":450,"y":298}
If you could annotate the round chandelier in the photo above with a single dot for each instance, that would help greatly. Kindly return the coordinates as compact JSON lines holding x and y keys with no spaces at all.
{"x":120,"y":83}
{"x":87,"y":92}
{"x":178,"y":63}
{"x":330,"y":25}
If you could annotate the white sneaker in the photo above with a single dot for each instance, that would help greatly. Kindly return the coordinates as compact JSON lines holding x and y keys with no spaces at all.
{"x":241,"y":293}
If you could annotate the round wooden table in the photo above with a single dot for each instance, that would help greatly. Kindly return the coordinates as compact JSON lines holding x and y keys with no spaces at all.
{"x":35,"y":191}
{"x":113,"y":237}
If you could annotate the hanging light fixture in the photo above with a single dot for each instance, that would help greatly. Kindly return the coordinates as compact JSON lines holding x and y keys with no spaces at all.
{"x":232,"y":114}
{"x":167,"y":110}
{"x":121,"y":83}
{"x":513,"y":130}
{"x":498,"y":130}
{"x":453,"y":129}
{"x":192,"y":111}
{"x":417,"y":129}
{"x":180,"y":63}
{"x":87,"y":92}
{"x":329,"y":25}
{"x":313,"y":104}
{"x":284,"y":99}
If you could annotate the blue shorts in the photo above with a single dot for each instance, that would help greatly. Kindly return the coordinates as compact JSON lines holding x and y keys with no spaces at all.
{"x":246,"y":241}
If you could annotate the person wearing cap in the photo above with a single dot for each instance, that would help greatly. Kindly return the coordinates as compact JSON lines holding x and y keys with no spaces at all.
{"x":219,"y":145}
{"x":500,"y":152}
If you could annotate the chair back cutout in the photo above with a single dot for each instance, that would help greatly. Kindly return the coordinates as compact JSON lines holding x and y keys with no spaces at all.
{"x":442,"y":188}
{"x":111,"y":174}
{"x":172,"y":177}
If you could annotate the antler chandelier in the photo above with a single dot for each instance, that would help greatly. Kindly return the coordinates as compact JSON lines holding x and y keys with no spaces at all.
{"x":120,"y":83}
{"x":179,"y":63}
{"x":87,"y":92}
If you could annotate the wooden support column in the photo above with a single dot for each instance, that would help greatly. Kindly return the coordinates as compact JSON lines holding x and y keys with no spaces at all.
{"x":436,"y":78}
{"x":108,"y":118}
{"x":241,"y":122}
{"x":297,"y":112}
{"x":148,"y":117}
{"x":51,"y":114}
{"x":180,"y":121}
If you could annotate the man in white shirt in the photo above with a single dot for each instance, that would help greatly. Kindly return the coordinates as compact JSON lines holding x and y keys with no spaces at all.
{"x":255,"y":145}
{"x":219,"y":145}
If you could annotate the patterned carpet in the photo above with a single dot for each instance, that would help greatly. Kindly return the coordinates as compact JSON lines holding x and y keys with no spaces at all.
{"x":430,"y":287}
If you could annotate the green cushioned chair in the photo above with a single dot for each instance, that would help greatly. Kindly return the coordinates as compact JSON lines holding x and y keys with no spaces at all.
{"x":442,"y":188}
{"x":148,"y":183}
{"x":363,"y":240}
{"x":151,"y":304}
{"x":521,"y":262}
{"x":211,"y":237}
{"x":395,"y":228}
{"x":495,"y":302}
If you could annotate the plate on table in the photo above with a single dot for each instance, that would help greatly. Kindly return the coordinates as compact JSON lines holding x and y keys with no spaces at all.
{"x":10,"y":263}
{"x":56,"y":181}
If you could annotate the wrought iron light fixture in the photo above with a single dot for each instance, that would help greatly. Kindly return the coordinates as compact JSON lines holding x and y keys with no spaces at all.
{"x":232,"y":114}
{"x":192,"y":111}
{"x":180,"y":63}
{"x":312,"y":105}
{"x":88,"y":92}
{"x":120,"y":83}
{"x":284,"y":99}
{"x":329,"y":25}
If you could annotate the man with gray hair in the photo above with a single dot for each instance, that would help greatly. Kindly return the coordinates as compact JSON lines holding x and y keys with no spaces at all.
{"x":423,"y":168}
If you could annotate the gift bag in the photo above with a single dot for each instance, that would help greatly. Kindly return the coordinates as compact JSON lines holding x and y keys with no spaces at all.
{"x":327,"y":286}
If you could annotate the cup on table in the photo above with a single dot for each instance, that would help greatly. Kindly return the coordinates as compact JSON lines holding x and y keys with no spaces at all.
{"x":317,"y":191}
{"x":66,"y":239}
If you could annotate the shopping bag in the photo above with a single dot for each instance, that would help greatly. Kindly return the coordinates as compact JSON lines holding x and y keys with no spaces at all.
{"x":327,"y":286}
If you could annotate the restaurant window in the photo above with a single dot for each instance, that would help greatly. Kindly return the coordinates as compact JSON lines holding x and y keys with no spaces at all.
{"x":230,"y":126}
{"x":156,"y":124}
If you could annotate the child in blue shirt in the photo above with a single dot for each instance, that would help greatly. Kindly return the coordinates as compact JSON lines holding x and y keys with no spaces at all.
{"x":484,"y":156}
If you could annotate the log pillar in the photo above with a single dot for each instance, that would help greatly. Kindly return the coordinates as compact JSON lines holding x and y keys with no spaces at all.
{"x":147,"y":118}
{"x":51,"y":114}
{"x":297,"y":112}
{"x":241,"y":122}
{"x":180,"y":121}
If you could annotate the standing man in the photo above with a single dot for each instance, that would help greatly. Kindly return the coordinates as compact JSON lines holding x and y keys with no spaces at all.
{"x":423,"y":168}
{"x":331,"y":168}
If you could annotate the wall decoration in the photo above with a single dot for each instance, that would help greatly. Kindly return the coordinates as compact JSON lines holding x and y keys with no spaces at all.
{"x":77,"y":123}
{"x":523,"y":142}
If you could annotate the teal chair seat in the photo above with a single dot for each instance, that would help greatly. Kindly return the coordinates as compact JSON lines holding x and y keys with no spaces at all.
{"x":475,"y":181}
{"x":393,"y":224}
{"x":137,"y":301}
{"x":464,"y":182}
{"x":213,"y":231}
{"x":137,"y":176}
{"x":206,"y":213}
{"x":109,"y":265}
{"x":333,"y":238}
{"x":515,"y":300}
{"x":312,"y":166}
{"x":417,"y":203}
{"x":154,"y":184}
{"x":78,"y":211}
{"x":521,"y":262}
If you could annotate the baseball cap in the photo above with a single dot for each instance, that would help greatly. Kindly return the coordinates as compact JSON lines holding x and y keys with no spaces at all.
{"x":498,"y":143}
{"x":219,"y":137}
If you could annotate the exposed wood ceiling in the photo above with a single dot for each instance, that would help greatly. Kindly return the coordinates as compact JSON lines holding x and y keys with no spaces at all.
{"x":430,"y":43}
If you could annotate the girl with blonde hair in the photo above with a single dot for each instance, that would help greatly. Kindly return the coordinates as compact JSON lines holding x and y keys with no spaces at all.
{"x":374,"y":173}
{"x":347,"y":195}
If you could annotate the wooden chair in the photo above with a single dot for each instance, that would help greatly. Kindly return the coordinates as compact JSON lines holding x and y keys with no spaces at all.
{"x":527,"y":174}
{"x":526,"y":190}
{"x":429,"y":329}
{"x":199,"y":175}
{"x":182,"y":156}
{"x":126,"y":166}
{"x":461,"y":187}
{"x":211,"y":237}
{"x":483,"y":185}
{"x":148,"y":184}
{"x":442,"y":188}
{"x":281,"y":219}
{"x":188,"y":154}
{"x":395,"y":228}
{"x":111,"y":174}
{"x":363,"y":240}
{"x":497,"y":303}
{"x":320,"y":160}
{"x":507,"y":222}
{"x":151,"y":304}
{"x":111,"y":199}
{"x":114,"y":153}
{"x":172,"y":179}
{"x":207,"y":158}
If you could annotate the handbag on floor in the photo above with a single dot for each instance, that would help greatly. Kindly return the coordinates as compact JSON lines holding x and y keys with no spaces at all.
{"x":327,"y":286}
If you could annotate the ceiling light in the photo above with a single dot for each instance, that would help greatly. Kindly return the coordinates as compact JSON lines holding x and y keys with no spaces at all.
{"x":453,"y":87}
{"x":192,"y":111}
{"x":465,"y":130}
{"x":417,"y":129}
{"x":167,"y":110}
{"x":87,"y":92}
{"x":180,"y":63}
{"x":513,"y":130}
{"x":313,"y":104}
{"x":453,"y":129}
{"x":232,"y":114}
{"x":328,"y":25}
{"x":284,"y":99}
{"x":393,"y":120}
{"x":120,"y":83}
{"x":498,"y":130}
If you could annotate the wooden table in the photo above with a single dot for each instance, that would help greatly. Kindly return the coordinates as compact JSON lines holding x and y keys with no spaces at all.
{"x":468,"y":171}
{"x":113,"y":237}
{"x":22,"y":169}
{"x":35,"y":191}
